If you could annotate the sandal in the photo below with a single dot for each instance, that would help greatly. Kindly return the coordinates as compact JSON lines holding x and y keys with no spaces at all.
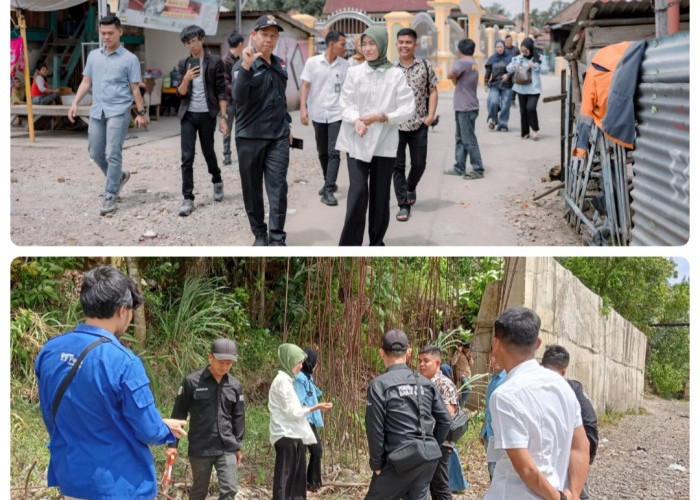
{"x":411,"y":197}
{"x":534,"y":136}
{"x":403,"y":215}
{"x":526,"y":136}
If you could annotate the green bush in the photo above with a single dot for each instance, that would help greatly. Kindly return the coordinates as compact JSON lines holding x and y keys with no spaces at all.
{"x":666,"y":378}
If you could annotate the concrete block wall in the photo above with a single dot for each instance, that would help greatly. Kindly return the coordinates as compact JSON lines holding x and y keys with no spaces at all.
{"x":607,"y":352}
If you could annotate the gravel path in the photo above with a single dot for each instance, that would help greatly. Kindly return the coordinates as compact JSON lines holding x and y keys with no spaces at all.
{"x":635,"y":455}
{"x":56,"y":192}
{"x":632,"y":462}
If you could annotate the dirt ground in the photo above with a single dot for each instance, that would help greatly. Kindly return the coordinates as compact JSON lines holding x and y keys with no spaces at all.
{"x":56,"y":192}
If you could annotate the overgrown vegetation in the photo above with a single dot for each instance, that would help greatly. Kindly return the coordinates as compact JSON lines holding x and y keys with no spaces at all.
{"x":639,"y":288}
{"x":341,"y":306}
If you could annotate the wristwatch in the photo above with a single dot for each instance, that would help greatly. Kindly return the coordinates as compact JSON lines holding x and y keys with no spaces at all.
{"x":562,"y":496}
{"x":224,"y":116}
{"x":141,"y":112}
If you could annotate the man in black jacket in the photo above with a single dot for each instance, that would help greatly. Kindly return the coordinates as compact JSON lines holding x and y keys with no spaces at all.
{"x":214,"y":400}
{"x":557,"y":358}
{"x":202,"y":94}
{"x":262,"y":131}
{"x":393,"y":418}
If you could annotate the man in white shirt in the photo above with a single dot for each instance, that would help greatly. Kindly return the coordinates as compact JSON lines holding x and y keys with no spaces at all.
{"x":323,"y":78}
{"x":536,"y":419}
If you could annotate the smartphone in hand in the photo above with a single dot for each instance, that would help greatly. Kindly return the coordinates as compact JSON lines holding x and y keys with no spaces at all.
{"x":194,"y":62}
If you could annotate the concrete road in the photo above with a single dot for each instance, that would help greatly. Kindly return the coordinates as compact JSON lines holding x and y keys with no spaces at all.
{"x":449,"y":210}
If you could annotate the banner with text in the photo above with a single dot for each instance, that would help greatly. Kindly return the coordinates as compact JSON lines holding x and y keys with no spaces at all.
{"x":170,"y":15}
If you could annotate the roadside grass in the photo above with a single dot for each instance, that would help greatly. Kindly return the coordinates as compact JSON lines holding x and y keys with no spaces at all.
{"x":613,"y":417}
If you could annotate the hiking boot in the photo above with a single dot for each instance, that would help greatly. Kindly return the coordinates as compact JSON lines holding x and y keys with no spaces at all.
{"x":227,"y":159}
{"x":186,"y":208}
{"x":126,"y":175}
{"x":260,"y":240}
{"x":218,"y":191}
{"x":109,"y":204}
{"x":328,"y":197}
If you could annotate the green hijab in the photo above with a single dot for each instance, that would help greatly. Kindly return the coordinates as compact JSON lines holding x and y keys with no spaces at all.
{"x":290,"y":355}
{"x":381,"y":39}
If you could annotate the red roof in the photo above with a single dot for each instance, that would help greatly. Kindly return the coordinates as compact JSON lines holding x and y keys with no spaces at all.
{"x":376,"y":6}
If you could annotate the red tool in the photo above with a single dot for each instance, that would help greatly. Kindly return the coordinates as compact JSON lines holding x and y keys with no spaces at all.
{"x":167,"y":474}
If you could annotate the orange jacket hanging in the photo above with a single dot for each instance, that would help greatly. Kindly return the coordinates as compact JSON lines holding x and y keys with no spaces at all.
{"x":608,"y":94}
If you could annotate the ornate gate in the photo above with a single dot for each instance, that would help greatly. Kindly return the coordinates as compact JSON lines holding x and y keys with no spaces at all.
{"x":427,"y":36}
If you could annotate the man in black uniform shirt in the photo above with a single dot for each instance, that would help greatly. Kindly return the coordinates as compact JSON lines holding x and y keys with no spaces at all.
{"x":393,"y":418}
{"x":262,"y":130}
{"x":214,"y":400}
{"x":557,"y":358}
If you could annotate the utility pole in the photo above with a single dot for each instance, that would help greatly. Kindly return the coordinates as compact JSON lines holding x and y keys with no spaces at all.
{"x":526,"y":19}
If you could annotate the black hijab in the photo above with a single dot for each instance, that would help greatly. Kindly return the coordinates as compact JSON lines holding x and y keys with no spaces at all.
{"x":310,"y":362}
{"x":529,"y":44}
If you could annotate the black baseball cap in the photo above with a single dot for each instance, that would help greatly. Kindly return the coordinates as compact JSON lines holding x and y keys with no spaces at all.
{"x":395,"y":340}
{"x":224,"y":349}
{"x":267,"y":20}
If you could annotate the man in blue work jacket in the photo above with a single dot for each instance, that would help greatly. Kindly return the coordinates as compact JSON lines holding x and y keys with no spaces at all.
{"x":99,"y":435}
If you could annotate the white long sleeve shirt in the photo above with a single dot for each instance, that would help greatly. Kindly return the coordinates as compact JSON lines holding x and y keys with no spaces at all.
{"x":287,"y":416}
{"x":368,"y":91}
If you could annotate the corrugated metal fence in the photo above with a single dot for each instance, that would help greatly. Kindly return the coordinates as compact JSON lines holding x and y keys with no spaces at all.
{"x":661,"y":184}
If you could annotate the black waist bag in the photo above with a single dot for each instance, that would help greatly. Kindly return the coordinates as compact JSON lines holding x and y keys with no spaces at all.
{"x":411,"y":454}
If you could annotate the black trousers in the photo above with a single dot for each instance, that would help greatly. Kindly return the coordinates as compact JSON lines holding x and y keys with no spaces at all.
{"x":528,"y":113}
{"x":375,"y":193}
{"x":191,"y":125}
{"x":289,"y":482}
{"x":266,"y":159}
{"x":326,"y":135}
{"x":411,"y":485}
{"x":417,"y":142}
{"x":313,"y":471}
{"x":440,"y":484}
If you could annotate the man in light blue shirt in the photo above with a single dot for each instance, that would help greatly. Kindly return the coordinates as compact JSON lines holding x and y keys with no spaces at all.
{"x":498,"y":376}
{"x":114,"y":75}
{"x":100,"y":428}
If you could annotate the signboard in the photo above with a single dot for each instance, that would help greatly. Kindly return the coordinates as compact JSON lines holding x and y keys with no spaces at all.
{"x":169,"y":15}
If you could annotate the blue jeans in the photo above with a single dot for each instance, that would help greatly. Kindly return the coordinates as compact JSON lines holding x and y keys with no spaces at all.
{"x":226,"y":472}
{"x":454,"y":470}
{"x":464,"y":392}
{"x":499,"y":98}
{"x":466,"y":143}
{"x":105,"y":141}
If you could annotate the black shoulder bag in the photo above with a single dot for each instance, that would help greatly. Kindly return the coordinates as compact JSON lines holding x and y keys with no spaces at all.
{"x":409,"y":455}
{"x":66,"y":381}
{"x":458,"y":426}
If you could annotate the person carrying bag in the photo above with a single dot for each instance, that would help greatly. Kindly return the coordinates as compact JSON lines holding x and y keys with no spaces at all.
{"x":405,"y":420}
{"x":411,"y":454}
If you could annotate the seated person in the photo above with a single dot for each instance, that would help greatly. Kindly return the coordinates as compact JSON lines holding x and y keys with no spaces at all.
{"x":18,"y":96}
{"x":41,"y":92}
